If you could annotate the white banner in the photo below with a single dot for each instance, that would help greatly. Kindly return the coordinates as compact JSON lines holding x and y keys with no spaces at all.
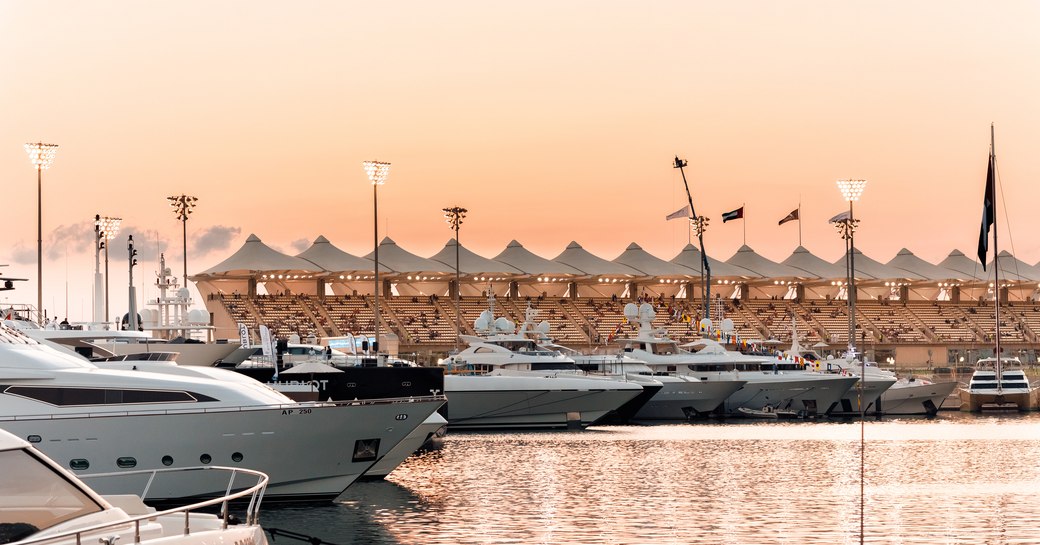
{"x":266,"y":343}
{"x":243,"y":335}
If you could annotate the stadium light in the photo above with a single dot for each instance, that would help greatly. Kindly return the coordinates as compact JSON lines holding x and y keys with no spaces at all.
{"x":105,"y":229}
{"x":41,"y":156}
{"x":377,"y":173}
{"x":182,"y":207}
{"x":454,"y":216}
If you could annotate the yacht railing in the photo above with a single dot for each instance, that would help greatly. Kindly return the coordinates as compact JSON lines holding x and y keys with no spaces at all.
{"x":208,"y":410}
{"x":255,"y":494}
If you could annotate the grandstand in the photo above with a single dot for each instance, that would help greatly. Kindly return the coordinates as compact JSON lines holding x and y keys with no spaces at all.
{"x":907,"y":310}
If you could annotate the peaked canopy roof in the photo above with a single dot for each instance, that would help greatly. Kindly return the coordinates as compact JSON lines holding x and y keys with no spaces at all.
{"x":579,"y":258}
{"x":639,"y":259}
{"x":690,"y":257}
{"x":471,"y":263}
{"x":812,"y":266}
{"x":394,"y":258}
{"x":906,"y":260}
{"x":323,"y":254}
{"x":962,"y":267}
{"x":254,"y":255}
{"x":526,"y":261}
{"x":872,"y":269}
{"x":1014,"y":269}
{"x":762,"y":267}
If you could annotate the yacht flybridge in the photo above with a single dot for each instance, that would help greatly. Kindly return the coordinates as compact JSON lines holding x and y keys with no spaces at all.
{"x":95,"y":420}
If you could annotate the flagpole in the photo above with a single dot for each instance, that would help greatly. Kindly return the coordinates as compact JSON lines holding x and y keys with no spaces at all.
{"x":799,"y":220}
{"x":742,"y":205}
{"x":996,"y":259}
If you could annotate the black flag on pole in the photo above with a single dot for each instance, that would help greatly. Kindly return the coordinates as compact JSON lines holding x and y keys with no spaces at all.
{"x":988,"y":213}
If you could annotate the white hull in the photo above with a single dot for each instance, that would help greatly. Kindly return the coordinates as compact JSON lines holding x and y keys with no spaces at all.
{"x":909,"y":398}
{"x":506,"y":402}
{"x":788,"y":391}
{"x":189,"y":353}
{"x":407,"y":447}
{"x":687,"y":398}
{"x":873,"y":388}
{"x":305,"y":450}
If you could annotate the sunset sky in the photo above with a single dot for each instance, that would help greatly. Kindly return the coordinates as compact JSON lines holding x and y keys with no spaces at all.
{"x":549,"y":121}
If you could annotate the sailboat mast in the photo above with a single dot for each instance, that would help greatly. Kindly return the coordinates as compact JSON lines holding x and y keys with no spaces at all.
{"x":996,"y":258}
{"x":705,"y":268}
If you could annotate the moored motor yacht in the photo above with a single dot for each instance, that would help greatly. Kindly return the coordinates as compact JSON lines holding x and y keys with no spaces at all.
{"x":863,"y":396}
{"x":999,"y":386}
{"x":44,"y":503}
{"x":83,"y":415}
{"x":766,"y":385}
{"x":503,"y":380}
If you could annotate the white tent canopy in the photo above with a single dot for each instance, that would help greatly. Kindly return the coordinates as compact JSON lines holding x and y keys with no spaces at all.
{"x":254,"y":256}
{"x":812,"y":266}
{"x":323,"y":254}
{"x":522,"y":259}
{"x":579,"y":258}
{"x":905,"y":260}
{"x":762,"y":267}
{"x":394,"y":258}
{"x":471,"y":263}
{"x":872,"y":269}
{"x":639,"y":259}
{"x":690,"y":257}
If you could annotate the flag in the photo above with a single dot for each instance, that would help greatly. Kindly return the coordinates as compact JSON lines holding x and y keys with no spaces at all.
{"x":733,"y":215}
{"x":790,"y":217}
{"x":683,"y":212}
{"x":988,"y":214}
{"x":840,"y":217}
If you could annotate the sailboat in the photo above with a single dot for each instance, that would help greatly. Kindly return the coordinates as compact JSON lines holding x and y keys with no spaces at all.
{"x":998,"y":383}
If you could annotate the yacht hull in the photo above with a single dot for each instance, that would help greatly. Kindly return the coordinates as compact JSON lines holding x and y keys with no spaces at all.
{"x":310,"y":452}
{"x":991,"y":401}
{"x":798,"y":392}
{"x":415,"y":440}
{"x":512,"y":402}
{"x":916,"y":398}
{"x":681,"y":399}
{"x":873,"y":389}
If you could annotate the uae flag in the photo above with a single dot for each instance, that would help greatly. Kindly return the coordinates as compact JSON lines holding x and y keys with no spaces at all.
{"x":790,"y":217}
{"x":734,"y":215}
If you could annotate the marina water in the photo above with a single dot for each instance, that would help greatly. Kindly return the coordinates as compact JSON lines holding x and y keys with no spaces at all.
{"x":954,"y":479}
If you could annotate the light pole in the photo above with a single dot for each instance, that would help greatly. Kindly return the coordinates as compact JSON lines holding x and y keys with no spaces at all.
{"x":377,"y":172}
{"x":182,"y":207}
{"x":41,"y":156}
{"x":132,"y":258}
{"x":700,"y":225}
{"x":106,"y":230}
{"x":850,"y":191}
{"x":455,"y":215}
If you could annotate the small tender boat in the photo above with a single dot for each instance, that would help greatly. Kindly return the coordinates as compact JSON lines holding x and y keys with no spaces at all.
{"x":768,"y":411}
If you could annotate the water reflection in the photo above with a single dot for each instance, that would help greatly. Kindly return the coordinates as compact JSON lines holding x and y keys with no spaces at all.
{"x":956,"y":479}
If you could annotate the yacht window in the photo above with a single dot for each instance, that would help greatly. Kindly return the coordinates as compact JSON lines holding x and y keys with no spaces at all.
{"x":126,"y":462}
{"x":665,"y":349}
{"x":35,"y":497}
{"x":79,"y":464}
{"x":483,"y":350}
{"x":549,"y":366}
{"x":205,"y":458}
{"x":64,"y":397}
{"x":236,"y":457}
{"x":167,"y":460}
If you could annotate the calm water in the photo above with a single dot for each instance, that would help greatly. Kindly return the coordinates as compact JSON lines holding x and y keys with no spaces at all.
{"x":954,"y":479}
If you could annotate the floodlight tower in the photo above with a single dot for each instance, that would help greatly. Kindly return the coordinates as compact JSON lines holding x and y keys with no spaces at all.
{"x":41,"y":156}
{"x":454,"y":216}
{"x":182,"y":207}
{"x":105,"y":230}
{"x":377,"y":172}
{"x":850,"y":191}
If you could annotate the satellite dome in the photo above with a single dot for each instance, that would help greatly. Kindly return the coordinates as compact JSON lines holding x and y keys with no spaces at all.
{"x":705,"y":324}
{"x":631,"y":311}
{"x":542,"y":327}
{"x":198,"y":316}
{"x":646,"y":311}
{"x":727,"y":325}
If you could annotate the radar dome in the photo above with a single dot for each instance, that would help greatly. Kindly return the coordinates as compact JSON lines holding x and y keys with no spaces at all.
{"x":198,"y":316}
{"x":183,"y":293}
{"x":542,"y":327}
{"x":646,"y":311}
{"x":503,"y":324}
{"x":631,"y":311}
{"x":727,"y":325}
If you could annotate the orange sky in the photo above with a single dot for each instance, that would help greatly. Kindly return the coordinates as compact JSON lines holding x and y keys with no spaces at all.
{"x":549,"y":121}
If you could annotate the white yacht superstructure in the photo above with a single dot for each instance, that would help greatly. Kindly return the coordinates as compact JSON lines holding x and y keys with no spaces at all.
{"x":1010,"y":391}
{"x":504,"y":380}
{"x":95,"y":420}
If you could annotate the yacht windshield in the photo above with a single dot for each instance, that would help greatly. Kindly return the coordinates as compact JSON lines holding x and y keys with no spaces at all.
{"x":34,"y":497}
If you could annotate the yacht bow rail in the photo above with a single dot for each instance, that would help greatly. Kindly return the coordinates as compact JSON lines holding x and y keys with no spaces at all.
{"x":208,"y":410}
{"x":255,"y":493}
